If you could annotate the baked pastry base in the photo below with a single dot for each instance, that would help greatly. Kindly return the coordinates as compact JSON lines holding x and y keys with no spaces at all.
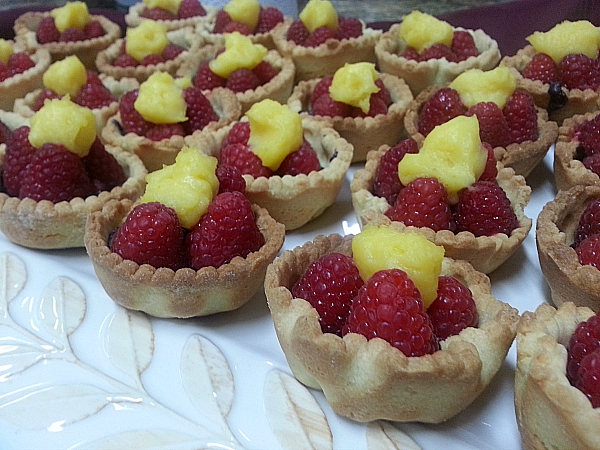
{"x":371,"y":380}
{"x":19,"y":85}
{"x":133,"y":18}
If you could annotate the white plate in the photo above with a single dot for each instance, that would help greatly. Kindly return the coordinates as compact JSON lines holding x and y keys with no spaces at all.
{"x":78,"y":371}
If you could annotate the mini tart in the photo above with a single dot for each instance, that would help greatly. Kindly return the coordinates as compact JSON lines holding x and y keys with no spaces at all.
{"x":434,"y":72}
{"x":522,"y":158}
{"x":186,"y":292}
{"x":24,"y":104}
{"x":19,"y":85}
{"x":184,"y":37}
{"x":278,"y":88}
{"x":205,"y":30}
{"x":324,"y":60}
{"x":568,"y":170}
{"x":133,"y":18}
{"x":551,"y":413}
{"x":560,"y":106}
{"x":484,"y":253}
{"x":293,"y":200}
{"x":25,"y":28}
{"x":371,"y":380}
{"x":368,"y":133}
{"x":569,"y":280}
{"x":155,"y":154}
{"x":47,"y":225}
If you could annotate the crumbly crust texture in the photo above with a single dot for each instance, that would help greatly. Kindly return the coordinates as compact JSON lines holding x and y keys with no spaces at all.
{"x":186,"y":292}
{"x":368,"y":133}
{"x":19,"y":85}
{"x":133,"y":18}
{"x":551,"y":413}
{"x":371,"y":380}
{"x":436,"y":72}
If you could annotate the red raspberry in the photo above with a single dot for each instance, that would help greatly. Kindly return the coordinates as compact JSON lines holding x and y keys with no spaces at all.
{"x":131,"y":120}
{"x":238,"y":134}
{"x":383,"y":92}
{"x":589,"y":377}
{"x":4,"y":72}
{"x":45,"y":94}
{"x":541,"y":68}
{"x":206,"y":79}
{"x":230,"y":179}
{"x":588,"y":251}
{"x":377,"y":106}
{"x":102,"y":167}
{"x":521,"y":116}
{"x":93,"y":30}
{"x":484,"y":209}
{"x":322,"y":87}
{"x":191,"y":8}
{"x":584,"y":341}
{"x":222,"y":19}
{"x":93,"y":78}
{"x":444,"y":104}
{"x":157,"y":14}
{"x":588,"y":135}
{"x":242,"y":157}
{"x":199,"y":110}
{"x":493,"y":127}
{"x":410,"y":53}
{"x":319,"y":36}
{"x":265,"y":72}
{"x":72,"y":35}
{"x":46,"y":31}
{"x":438,"y":51}
{"x":589,"y":222}
{"x":172,"y":51}
{"x":125,"y":60}
{"x":578,"y":71}
{"x":387,"y":184}
{"x":268,"y":18}
{"x":389,"y":307}
{"x":93,"y":96}
{"x":227,"y":229}
{"x":453,"y":309}
{"x":19,"y":62}
{"x":463,"y":45}
{"x":240,"y":27}
{"x":242,"y":80}
{"x":302,"y":161}
{"x":55,"y":174}
{"x":592,"y":163}
{"x":298,"y":33}
{"x":490,"y":172}
{"x":349,"y":28}
{"x":151,"y":234}
{"x":329,"y":285}
{"x":151,"y":60}
{"x":19,"y":152}
{"x":161,"y":131}
{"x":324,"y":105}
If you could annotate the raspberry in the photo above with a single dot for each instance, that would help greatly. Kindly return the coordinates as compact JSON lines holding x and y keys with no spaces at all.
{"x":588,"y":135}
{"x":329,"y":285}
{"x":230,"y":179}
{"x":93,"y":29}
{"x":438,"y":51}
{"x":463,"y":45}
{"x":151,"y":60}
{"x":93,"y":96}
{"x":542,"y":68}
{"x":588,"y":251}
{"x":240,"y":27}
{"x":410,"y":53}
{"x":268,"y":18}
{"x":377,"y":106}
{"x":389,"y":307}
{"x":93,"y":78}
{"x":444,"y":104}
{"x":490,"y":172}
{"x":584,"y":341}
{"x":227,"y":229}
{"x":199,"y":110}
{"x":577,"y":71}
{"x":157,"y":14}
{"x":521,"y":117}
{"x":19,"y":152}
{"x":191,"y":8}
{"x":387,"y":184}
{"x":324,"y":105}
{"x":322,"y":87}
{"x":453,"y":309}
{"x":484,"y":209}
{"x":125,"y":60}
{"x":423,"y":203}
{"x":493,"y":127}
{"x":265,"y":72}
{"x":131,"y":120}
{"x":45,"y":94}
{"x":161,"y":131}
{"x":72,"y":35}
{"x":298,"y":33}
{"x":589,"y":377}
{"x":206,"y":79}
{"x":319,"y":36}
{"x":55,"y":174}
{"x":238,"y":134}
{"x":242,"y":80}
{"x":592,"y":163}
{"x":589,"y":222}
{"x":46,"y":31}
{"x":348,"y":28}
{"x":151,"y":234}
{"x":304,"y":160}
{"x":19,"y":62}
{"x":102,"y":167}
{"x":172,"y":51}
{"x":383,"y":92}
{"x":4,"y":72}
{"x":240,"y":156}
{"x":222,"y":19}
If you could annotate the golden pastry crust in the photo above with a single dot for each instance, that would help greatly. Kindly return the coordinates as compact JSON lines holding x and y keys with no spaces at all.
{"x":569,"y":171}
{"x":484,"y":253}
{"x":278,"y":88}
{"x":133,"y":18}
{"x":186,"y":292}
{"x":25,"y":28}
{"x":293,"y":200}
{"x":371,"y":380}
{"x":551,"y":413}
{"x":368,"y":133}
{"x":324,"y":60}
{"x":184,"y":37}
{"x":569,"y":280}
{"x":155,"y":154}
{"x":47,"y":225}
{"x":434,"y":72}
{"x":19,"y":85}
{"x":577,"y":101}
{"x":522,"y":158}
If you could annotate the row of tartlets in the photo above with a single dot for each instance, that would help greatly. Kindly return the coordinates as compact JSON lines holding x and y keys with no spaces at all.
{"x":400,"y":385}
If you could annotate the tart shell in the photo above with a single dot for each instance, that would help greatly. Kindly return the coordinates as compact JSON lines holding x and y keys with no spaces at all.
{"x":133,"y":18}
{"x":19,"y":85}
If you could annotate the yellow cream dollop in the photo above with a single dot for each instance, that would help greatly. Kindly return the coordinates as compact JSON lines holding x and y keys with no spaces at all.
{"x":420,"y":31}
{"x":353,"y":84}
{"x":240,"y":53}
{"x":476,"y":86}
{"x":148,"y":38}
{"x":168,"y":5}
{"x":567,"y":38}
{"x":6,"y":50}
{"x":72,"y":15}
{"x":160,"y":99}
{"x":65,"y":76}
{"x":244,"y":11}
{"x":319,"y":13}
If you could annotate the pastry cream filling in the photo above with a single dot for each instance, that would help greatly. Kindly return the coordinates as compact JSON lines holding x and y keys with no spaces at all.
{"x":353,"y":84}
{"x":420,"y":31}
{"x":476,"y":86}
{"x":160,"y":98}
{"x":168,"y":5}
{"x":319,"y":13}
{"x":567,"y":38}
{"x":6,"y":51}
{"x":72,"y":15}
{"x":244,"y":11}
{"x":240,"y":53}
{"x":148,"y":38}
{"x":65,"y":76}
